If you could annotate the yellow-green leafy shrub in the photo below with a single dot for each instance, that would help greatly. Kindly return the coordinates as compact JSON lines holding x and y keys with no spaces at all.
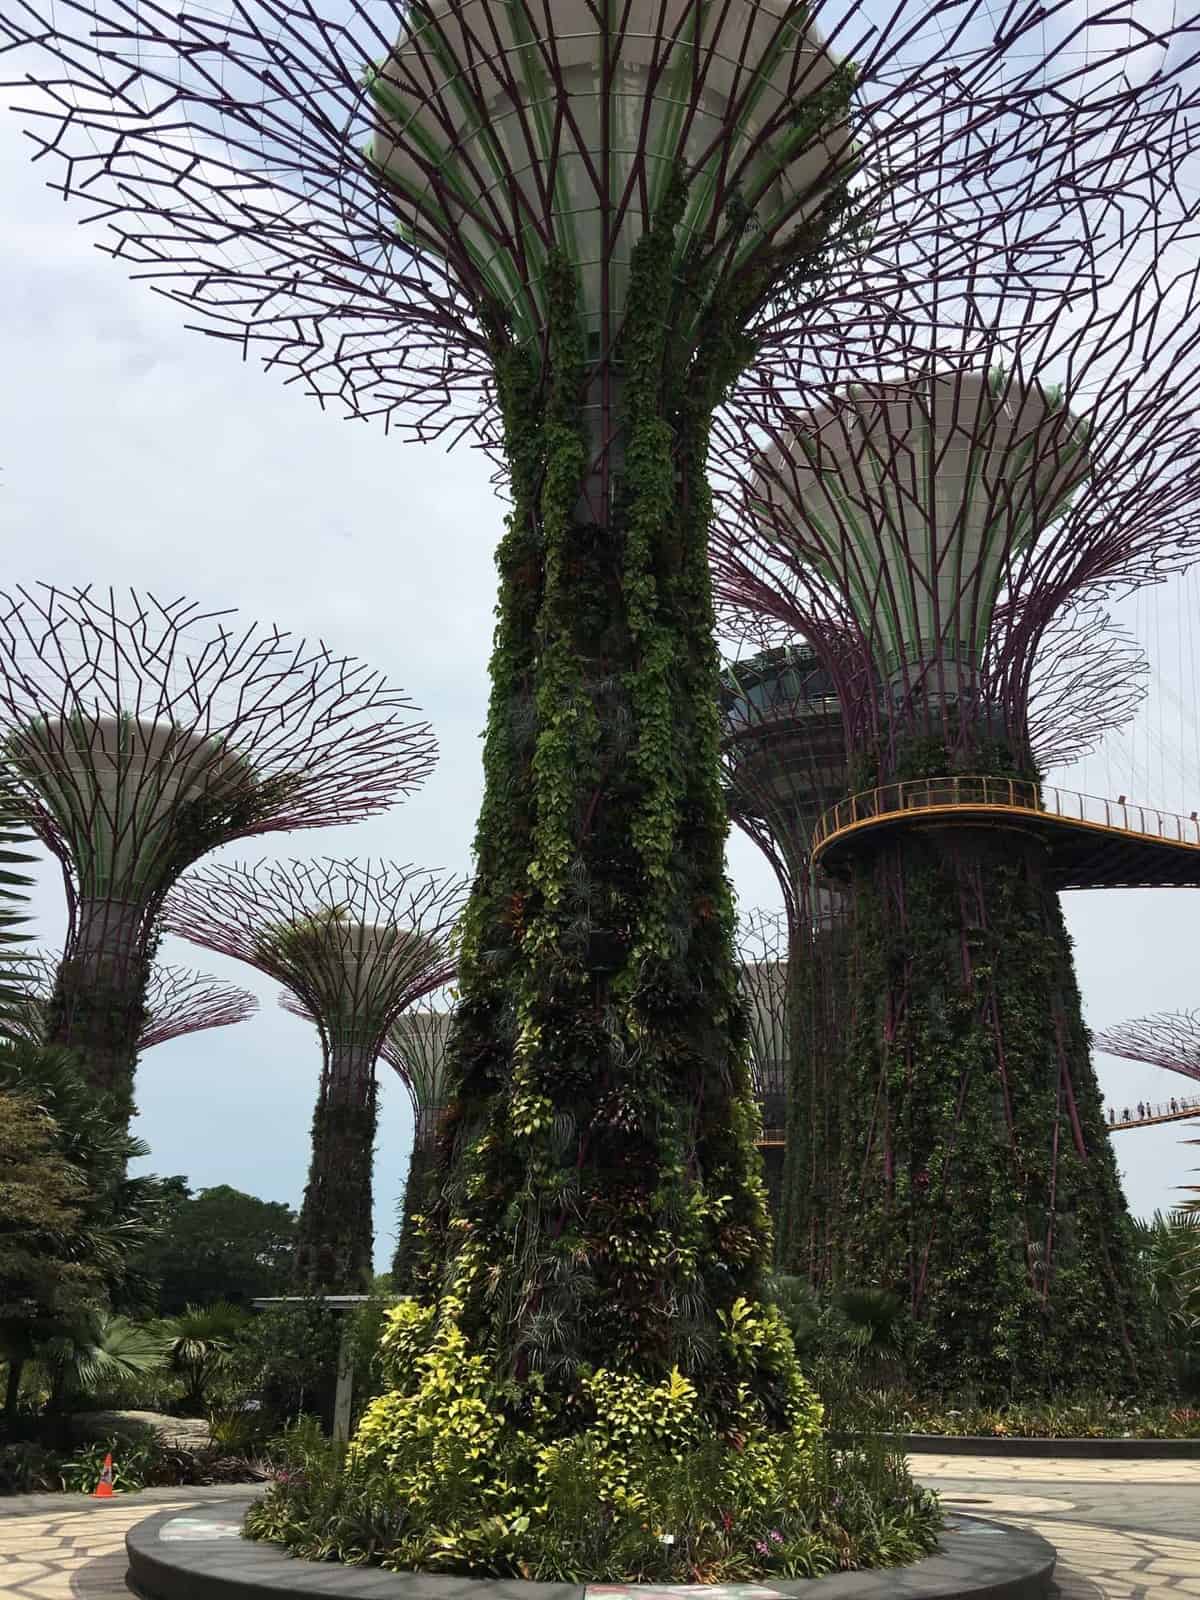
{"x":618,"y":1476}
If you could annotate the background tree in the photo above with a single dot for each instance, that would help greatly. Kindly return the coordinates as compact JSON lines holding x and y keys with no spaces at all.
{"x":71,"y":1221}
{"x":1168,"y":1255}
{"x":218,"y":1244}
{"x":202,"y":1343}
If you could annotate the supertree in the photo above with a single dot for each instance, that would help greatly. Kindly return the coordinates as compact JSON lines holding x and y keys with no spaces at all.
{"x":177,"y":1002}
{"x":1169,"y":1039}
{"x":417,"y":1048}
{"x":140,"y":734}
{"x":925,"y":527}
{"x":763,"y":949}
{"x":784,"y":758}
{"x":573,"y":231}
{"x":783,"y":753}
{"x":355,"y":944}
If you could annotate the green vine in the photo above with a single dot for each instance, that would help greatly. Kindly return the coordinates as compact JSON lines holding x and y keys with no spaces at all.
{"x":334,"y":1235}
{"x":598,"y":1200}
{"x":978,"y":1180}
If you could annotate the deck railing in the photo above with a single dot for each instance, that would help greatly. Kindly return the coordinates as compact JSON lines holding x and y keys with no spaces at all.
{"x":970,"y":791}
{"x":1132,"y":1116}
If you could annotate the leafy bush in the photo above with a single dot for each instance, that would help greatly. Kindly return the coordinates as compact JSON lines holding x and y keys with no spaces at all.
{"x":27,"y":1469}
{"x":855,"y":1348}
{"x":627,"y":1480}
{"x":285,"y":1360}
{"x":1096,"y":1418}
{"x":138,"y":1463}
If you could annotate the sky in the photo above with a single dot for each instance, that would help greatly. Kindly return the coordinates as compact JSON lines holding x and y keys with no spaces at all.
{"x":136,"y":453}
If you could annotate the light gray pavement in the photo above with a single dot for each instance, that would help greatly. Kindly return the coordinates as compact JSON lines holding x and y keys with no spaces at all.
{"x":1125,"y":1530}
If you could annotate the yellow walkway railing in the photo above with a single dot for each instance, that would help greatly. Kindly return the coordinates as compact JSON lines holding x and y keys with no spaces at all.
{"x":929,"y":796}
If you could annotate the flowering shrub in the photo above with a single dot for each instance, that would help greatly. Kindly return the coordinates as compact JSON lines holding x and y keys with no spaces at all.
{"x":621,"y":1477}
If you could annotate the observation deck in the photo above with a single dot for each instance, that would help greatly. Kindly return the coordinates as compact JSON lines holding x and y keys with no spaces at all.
{"x":1092,"y":843}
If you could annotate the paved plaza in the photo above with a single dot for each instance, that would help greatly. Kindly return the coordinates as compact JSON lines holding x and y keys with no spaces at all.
{"x":1124,"y":1530}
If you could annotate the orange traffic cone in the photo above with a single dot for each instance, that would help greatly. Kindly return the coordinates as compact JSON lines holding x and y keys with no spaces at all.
{"x":104,"y":1489}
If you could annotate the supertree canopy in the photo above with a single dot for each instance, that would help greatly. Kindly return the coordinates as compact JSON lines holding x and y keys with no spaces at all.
{"x":1170,"y":1039}
{"x":578,"y":230}
{"x":177,"y":1002}
{"x":417,"y":1048}
{"x":355,"y":944}
{"x":141,"y":734}
{"x":924,"y":529}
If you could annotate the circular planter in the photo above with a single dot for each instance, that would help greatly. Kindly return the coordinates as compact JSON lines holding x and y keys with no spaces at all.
{"x":198,"y":1555}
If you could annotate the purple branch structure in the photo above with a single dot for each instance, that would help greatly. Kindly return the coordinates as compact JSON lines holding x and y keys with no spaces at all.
{"x":382,"y":189}
{"x":355,"y":944}
{"x":141,"y":734}
{"x":1170,"y":1039}
{"x":177,"y":1002}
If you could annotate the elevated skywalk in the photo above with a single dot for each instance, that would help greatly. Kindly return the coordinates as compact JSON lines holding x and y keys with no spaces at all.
{"x":1092,"y":843}
{"x":1148,"y":1116}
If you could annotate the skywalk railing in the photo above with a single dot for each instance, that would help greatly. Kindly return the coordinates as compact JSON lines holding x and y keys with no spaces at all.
{"x":969,"y":792}
{"x":1132,"y":1116}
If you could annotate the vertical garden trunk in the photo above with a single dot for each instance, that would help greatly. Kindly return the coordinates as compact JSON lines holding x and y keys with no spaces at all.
{"x":335,"y":1234}
{"x":818,"y":985}
{"x":978,"y":1180}
{"x":98,"y":1008}
{"x":418,"y":1196}
{"x":602,"y":1200}
{"x":12,"y":1389}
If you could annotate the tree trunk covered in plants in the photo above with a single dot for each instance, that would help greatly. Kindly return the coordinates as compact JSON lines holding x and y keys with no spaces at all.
{"x":818,"y":997}
{"x":12,"y":1388}
{"x":978,"y":1180}
{"x":98,"y":1008}
{"x":418,"y":1195}
{"x":602,"y":1200}
{"x":334,"y":1233}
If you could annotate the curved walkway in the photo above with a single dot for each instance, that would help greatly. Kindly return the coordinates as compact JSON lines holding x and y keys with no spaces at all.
{"x":1124,"y":1530}
{"x":1093,"y":843}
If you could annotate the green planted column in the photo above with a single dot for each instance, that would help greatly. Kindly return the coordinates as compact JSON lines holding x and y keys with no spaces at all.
{"x":979,"y":1182}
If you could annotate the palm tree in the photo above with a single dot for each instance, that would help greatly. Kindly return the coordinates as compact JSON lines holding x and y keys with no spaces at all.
{"x":99,"y":1348}
{"x":874,"y":1325}
{"x":1169,"y":1254}
{"x":201,"y":1343}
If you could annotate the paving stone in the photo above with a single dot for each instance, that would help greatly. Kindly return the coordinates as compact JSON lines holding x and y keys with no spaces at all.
{"x":1124,"y":1529}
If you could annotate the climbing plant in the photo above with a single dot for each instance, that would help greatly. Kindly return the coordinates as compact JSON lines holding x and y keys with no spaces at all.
{"x":977,"y":1179}
{"x":601,"y":1202}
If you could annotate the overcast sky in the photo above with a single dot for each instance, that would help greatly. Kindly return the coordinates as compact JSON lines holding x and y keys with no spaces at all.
{"x":136,"y":453}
